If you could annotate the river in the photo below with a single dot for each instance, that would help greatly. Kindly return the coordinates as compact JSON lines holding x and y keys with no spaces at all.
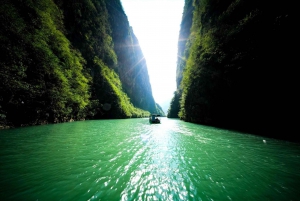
{"x":131,"y":159}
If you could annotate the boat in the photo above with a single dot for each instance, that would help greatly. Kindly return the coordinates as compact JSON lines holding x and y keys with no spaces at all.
{"x":154,"y":119}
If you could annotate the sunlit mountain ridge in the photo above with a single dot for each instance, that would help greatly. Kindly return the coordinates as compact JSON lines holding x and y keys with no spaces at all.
{"x":64,"y":61}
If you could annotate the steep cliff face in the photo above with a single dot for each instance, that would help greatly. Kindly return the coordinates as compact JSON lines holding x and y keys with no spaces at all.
{"x":131,"y":67}
{"x":182,"y":55}
{"x":184,"y":34}
{"x":238,"y":71}
{"x":59,"y":63}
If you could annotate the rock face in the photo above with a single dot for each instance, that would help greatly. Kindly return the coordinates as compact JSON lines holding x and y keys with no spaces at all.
{"x":184,"y":34}
{"x":236,"y":68}
{"x":131,"y":67}
{"x":69,"y":60}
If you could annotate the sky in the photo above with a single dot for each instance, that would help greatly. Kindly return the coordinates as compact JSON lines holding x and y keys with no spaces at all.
{"x":156,"y":24}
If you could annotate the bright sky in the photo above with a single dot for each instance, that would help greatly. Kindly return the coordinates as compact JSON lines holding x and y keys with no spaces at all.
{"x":156,"y":24}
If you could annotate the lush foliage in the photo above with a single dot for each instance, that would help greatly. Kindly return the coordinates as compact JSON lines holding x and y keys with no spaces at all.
{"x":58,"y":63}
{"x":238,"y":71}
{"x":185,"y":26}
{"x":112,"y":95}
{"x":183,"y":53}
{"x":131,"y":67}
{"x":174,"y":105}
{"x":42,"y":77}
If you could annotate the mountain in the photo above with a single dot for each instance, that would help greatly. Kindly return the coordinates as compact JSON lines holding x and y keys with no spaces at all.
{"x":237,"y":66}
{"x":182,"y":52}
{"x":132,"y":67}
{"x":67,"y":60}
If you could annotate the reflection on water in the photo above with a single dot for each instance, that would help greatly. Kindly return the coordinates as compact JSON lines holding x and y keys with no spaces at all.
{"x":134,"y":160}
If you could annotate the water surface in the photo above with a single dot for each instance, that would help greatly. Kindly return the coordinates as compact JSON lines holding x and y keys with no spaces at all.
{"x":134,"y":160}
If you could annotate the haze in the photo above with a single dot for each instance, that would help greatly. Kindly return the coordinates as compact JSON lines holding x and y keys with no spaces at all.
{"x":156,"y":24}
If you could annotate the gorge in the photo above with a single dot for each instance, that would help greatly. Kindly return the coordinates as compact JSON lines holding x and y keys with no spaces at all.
{"x":70,"y":60}
{"x":66,"y":60}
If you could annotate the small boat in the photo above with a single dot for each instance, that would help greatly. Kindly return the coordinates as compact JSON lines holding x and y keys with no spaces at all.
{"x":154,"y":119}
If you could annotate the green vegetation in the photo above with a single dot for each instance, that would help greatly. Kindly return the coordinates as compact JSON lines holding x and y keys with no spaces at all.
{"x":160,"y":110}
{"x":41,"y":75}
{"x":58,"y":63}
{"x":236,"y":69}
{"x":131,"y":67}
{"x":174,"y":106}
{"x":121,"y":107}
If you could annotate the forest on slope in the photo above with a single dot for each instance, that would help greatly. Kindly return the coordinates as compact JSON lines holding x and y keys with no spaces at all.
{"x":236,"y":66}
{"x":65,"y":60}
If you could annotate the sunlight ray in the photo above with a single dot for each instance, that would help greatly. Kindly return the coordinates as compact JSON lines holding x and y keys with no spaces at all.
{"x":156,"y":24}
{"x":131,"y":68}
{"x":182,"y":58}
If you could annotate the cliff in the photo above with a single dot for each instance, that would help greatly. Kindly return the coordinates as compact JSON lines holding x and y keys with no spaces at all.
{"x":237,"y":67}
{"x":132,"y":67}
{"x":66,"y":60}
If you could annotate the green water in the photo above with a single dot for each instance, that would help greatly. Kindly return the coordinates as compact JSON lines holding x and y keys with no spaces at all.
{"x":133,"y":160}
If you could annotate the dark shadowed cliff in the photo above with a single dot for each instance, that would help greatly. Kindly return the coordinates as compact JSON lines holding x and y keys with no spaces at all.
{"x":237,"y":68}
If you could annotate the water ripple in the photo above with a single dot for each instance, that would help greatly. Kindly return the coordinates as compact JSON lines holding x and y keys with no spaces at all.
{"x":134,"y":160}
